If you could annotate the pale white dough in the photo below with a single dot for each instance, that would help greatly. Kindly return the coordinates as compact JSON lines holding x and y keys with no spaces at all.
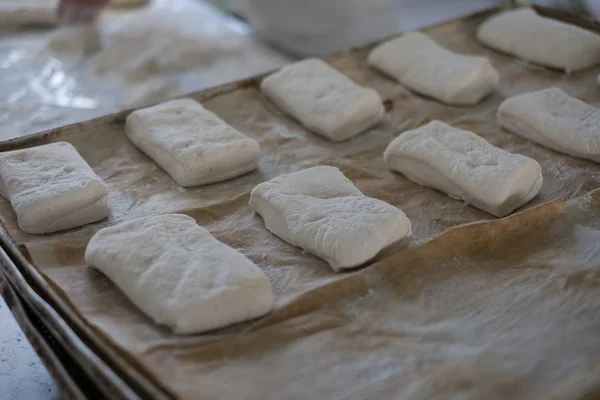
{"x":465,"y":166}
{"x":28,"y":12}
{"x":420,"y":64}
{"x":554,"y":119}
{"x":191,"y":143}
{"x":323,"y":99}
{"x":321,"y":211}
{"x":531,"y":37}
{"x":52,"y":188}
{"x":179,"y":275}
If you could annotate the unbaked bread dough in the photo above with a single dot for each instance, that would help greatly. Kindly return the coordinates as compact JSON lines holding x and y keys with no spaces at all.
{"x":420,"y":64}
{"x":191,"y":143}
{"x":531,"y":37}
{"x":554,"y":119}
{"x":52,"y":188}
{"x":321,"y":211}
{"x":28,"y":12}
{"x":323,"y":99}
{"x":465,"y":166}
{"x":179,"y":275}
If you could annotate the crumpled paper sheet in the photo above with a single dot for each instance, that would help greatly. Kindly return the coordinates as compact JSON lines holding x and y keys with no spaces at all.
{"x":500,"y":309}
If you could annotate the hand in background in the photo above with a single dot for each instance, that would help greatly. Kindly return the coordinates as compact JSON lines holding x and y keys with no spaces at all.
{"x":80,"y":11}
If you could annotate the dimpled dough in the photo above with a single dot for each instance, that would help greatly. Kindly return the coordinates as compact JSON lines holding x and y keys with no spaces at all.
{"x":191,"y":143}
{"x":554,"y":119}
{"x":324,"y":100}
{"x":52,"y":188}
{"x":321,"y":211}
{"x":465,"y":166}
{"x":178,"y":274}
{"x":544,"y":41}
{"x":420,"y":64}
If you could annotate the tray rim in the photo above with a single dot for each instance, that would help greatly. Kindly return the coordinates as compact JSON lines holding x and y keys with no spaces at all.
{"x":62,"y":319}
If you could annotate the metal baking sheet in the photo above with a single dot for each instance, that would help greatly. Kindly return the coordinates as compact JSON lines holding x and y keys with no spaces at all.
{"x":477,"y":307}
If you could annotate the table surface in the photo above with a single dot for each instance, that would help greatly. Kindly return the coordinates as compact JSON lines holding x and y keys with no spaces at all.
{"x":23,"y":375}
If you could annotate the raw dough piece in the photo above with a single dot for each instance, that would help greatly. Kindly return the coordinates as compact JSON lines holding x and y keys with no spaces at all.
{"x":420,"y":64}
{"x":465,"y":166}
{"x":545,"y":41}
{"x":28,"y":12}
{"x":178,"y":274}
{"x":321,"y":211}
{"x":554,"y":119}
{"x":191,"y":143}
{"x":52,"y":188}
{"x":323,"y":99}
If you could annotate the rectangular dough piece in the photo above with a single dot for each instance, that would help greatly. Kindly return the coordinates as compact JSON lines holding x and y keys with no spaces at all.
{"x":179,"y":275}
{"x":192,"y":144}
{"x":52,"y":188}
{"x":321,"y":211}
{"x":545,"y":41}
{"x":323,"y":99}
{"x":422,"y":65}
{"x":465,"y":166}
{"x":553,"y":119}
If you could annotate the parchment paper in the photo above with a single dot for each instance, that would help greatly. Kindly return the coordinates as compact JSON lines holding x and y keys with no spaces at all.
{"x":501,"y":309}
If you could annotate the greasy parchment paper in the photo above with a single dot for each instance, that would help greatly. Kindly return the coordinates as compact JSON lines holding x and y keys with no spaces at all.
{"x":499,"y":309}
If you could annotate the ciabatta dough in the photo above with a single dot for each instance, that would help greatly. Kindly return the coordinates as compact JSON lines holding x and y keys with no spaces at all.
{"x":420,"y":64}
{"x":465,"y":166}
{"x":531,"y":37}
{"x":191,"y":143}
{"x":52,"y":188}
{"x":554,"y":119}
{"x":323,"y":99}
{"x":321,"y":211}
{"x":179,"y":275}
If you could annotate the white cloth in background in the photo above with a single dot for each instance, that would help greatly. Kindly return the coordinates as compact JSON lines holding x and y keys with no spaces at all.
{"x":318,"y":27}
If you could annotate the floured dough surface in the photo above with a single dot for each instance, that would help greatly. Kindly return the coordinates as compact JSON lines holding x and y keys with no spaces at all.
{"x":321,"y":211}
{"x":179,"y":275}
{"x":52,"y":188}
{"x":28,"y":12}
{"x":191,"y":143}
{"x":323,"y":99}
{"x":531,"y":37}
{"x":553,"y":119}
{"x":420,"y":64}
{"x":465,"y":166}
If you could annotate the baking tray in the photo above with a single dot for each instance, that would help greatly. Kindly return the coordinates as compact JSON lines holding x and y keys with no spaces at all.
{"x":110,"y":370}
